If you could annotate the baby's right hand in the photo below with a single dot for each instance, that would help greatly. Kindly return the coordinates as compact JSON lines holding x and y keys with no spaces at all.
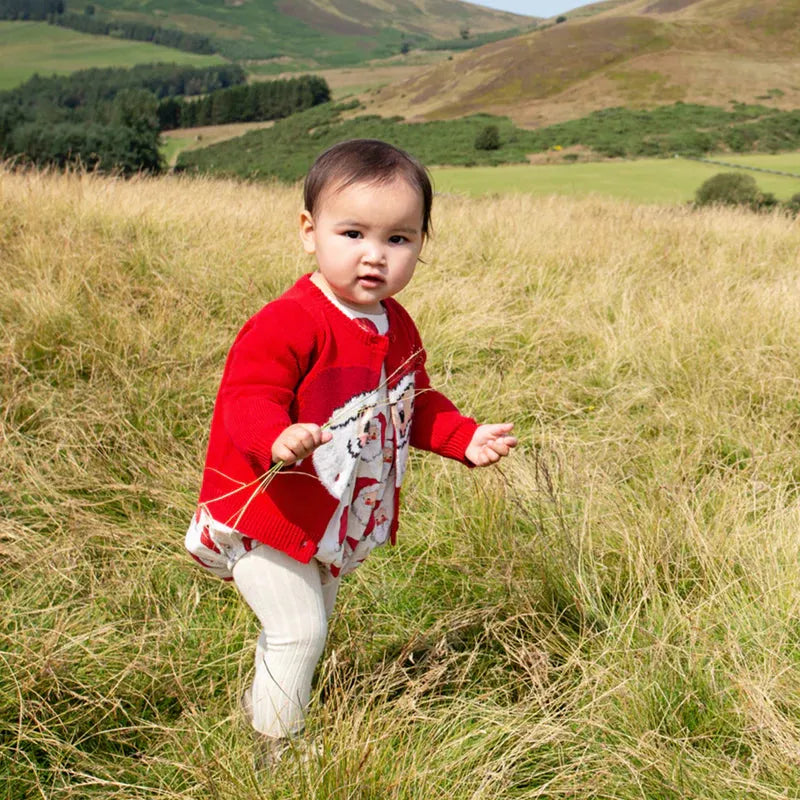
{"x":298,"y":441}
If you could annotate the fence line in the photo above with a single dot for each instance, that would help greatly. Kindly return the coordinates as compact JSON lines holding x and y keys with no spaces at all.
{"x":739,"y":166}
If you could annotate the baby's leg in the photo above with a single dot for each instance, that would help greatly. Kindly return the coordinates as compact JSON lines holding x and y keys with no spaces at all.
{"x":287,"y":597}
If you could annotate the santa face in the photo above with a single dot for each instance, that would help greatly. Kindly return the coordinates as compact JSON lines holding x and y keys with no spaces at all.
{"x":401,"y":404}
{"x":374,"y":437}
{"x":335,"y":461}
{"x":365,"y":500}
{"x":359,"y":432}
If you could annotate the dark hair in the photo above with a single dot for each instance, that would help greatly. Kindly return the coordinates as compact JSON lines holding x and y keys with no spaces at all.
{"x":370,"y":161}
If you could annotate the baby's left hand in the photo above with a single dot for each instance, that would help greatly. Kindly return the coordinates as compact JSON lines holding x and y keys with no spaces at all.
{"x":490,"y":443}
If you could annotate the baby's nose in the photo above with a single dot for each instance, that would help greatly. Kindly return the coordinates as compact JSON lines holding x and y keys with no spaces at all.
{"x":374,"y":254}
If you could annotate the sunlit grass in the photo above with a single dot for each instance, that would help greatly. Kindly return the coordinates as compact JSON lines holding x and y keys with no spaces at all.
{"x":613,"y":615}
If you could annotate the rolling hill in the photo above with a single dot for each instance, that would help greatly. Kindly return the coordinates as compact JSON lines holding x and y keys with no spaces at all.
{"x":27,"y":48}
{"x":315,"y":32}
{"x":639,"y":53}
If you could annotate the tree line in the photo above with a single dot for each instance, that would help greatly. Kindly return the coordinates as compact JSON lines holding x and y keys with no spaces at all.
{"x":110,"y":119}
{"x":248,"y":103}
{"x":30,"y":9}
{"x":101,"y":118}
{"x":83,"y":92}
{"x":137,"y":31}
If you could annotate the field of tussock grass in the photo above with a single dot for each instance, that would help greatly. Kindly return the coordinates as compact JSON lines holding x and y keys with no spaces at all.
{"x":613,"y":614}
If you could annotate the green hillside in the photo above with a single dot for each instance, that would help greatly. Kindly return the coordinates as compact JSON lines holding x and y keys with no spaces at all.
{"x":312,"y":32}
{"x":36,"y":47}
{"x":287,"y":149}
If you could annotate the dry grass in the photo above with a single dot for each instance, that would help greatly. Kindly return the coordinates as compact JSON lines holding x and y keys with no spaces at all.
{"x":343,"y":81}
{"x":708,"y":52}
{"x":615,"y":615}
{"x":205,"y":135}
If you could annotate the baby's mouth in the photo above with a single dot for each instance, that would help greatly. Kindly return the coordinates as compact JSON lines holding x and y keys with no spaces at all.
{"x":370,"y":281}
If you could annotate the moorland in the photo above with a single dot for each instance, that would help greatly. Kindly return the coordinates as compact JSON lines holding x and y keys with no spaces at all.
{"x":273,"y":36}
{"x":635,"y":53}
{"x":601,"y":83}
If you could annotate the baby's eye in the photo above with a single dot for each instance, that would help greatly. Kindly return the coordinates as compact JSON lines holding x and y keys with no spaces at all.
{"x":397,"y":239}
{"x":353,"y":234}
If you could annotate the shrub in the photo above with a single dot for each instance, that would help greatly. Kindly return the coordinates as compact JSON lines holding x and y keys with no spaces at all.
{"x":739,"y":139}
{"x":611,"y":149}
{"x":107,"y":148}
{"x":488,"y":138}
{"x":689,"y":142}
{"x":793,"y":204}
{"x":766,"y":201}
{"x":734,"y":189}
{"x":648,"y":148}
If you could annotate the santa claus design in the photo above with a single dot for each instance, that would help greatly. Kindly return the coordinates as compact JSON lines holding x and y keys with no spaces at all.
{"x":359,"y":429}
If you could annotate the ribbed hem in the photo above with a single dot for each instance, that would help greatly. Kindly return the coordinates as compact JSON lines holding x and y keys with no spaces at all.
{"x":458,"y":441}
{"x":262,"y":448}
{"x":250,"y":513}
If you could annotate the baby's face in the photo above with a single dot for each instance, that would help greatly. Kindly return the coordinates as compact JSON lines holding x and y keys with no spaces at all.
{"x":366,"y":238}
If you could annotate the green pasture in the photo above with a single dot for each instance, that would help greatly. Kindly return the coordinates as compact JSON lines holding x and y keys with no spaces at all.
{"x":30,"y":47}
{"x":171,"y":146}
{"x":671,"y":180}
{"x":261,"y":31}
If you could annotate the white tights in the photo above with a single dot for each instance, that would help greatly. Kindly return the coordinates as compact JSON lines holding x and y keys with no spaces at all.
{"x":293,"y":606}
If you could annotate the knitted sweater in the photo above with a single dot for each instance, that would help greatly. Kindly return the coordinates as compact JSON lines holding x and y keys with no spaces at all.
{"x":300,"y":359}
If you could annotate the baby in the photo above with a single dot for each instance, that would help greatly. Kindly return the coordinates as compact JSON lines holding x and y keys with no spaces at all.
{"x":323,"y":392}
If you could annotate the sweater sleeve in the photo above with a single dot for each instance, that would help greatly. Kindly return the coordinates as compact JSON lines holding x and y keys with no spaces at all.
{"x":438,"y":425}
{"x":267,"y":361}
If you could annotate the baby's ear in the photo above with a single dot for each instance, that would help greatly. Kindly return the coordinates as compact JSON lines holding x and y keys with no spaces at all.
{"x":307,"y":232}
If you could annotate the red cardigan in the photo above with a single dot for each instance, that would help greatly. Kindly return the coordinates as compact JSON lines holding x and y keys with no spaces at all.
{"x":300,"y":359}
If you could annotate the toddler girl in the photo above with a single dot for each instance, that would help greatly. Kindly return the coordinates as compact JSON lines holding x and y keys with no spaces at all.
{"x":324,"y":389}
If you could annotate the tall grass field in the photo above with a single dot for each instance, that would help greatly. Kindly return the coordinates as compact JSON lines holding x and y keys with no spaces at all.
{"x":613,"y":613}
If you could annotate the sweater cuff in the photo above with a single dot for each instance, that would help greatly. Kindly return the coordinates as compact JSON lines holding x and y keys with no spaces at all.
{"x":261,"y":450}
{"x":458,"y":441}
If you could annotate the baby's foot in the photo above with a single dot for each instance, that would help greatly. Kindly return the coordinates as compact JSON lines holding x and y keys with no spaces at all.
{"x":268,"y":751}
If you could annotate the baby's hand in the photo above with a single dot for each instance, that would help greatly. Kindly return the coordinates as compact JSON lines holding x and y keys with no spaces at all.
{"x":490,"y":443}
{"x":298,"y":441}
